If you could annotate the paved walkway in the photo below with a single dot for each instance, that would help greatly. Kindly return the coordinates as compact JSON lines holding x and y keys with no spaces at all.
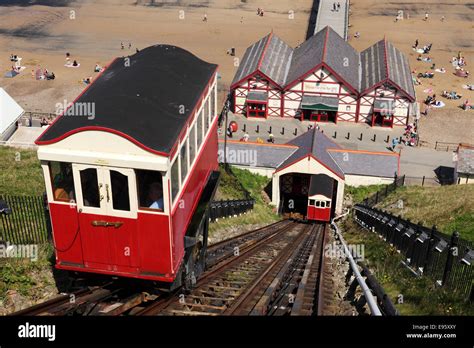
{"x":414,"y":162}
{"x":335,"y":19}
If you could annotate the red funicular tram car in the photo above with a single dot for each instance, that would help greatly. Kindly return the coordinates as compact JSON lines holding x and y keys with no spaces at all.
{"x":130,"y":167}
{"x":320,"y":196}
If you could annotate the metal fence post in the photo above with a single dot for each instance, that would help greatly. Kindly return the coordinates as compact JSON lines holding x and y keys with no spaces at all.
{"x":429,"y":250}
{"x":449,"y":260}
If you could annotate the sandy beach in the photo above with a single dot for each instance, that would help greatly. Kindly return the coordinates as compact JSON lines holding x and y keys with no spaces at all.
{"x":92,"y":32}
{"x":376,"y":19}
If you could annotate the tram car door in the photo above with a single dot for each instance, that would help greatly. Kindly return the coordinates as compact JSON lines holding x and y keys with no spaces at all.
{"x":320,"y":198}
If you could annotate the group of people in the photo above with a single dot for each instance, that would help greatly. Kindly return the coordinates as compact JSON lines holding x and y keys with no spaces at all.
{"x":260,"y":12}
{"x":451,"y":95}
{"x":411,"y":134}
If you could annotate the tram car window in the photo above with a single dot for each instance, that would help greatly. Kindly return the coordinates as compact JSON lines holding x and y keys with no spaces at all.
{"x":62,"y":181}
{"x":140,"y":177}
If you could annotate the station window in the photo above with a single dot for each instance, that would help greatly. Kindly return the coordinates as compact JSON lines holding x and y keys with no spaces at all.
{"x":328,"y":204}
{"x":62,"y":181}
{"x":183,"y":154}
{"x":175,"y":179}
{"x":311,"y":202}
{"x":323,"y":204}
{"x":199,"y":129}
{"x":120,"y":193}
{"x":150,"y":190}
{"x":192,"y":144}
{"x":318,"y":203}
{"x":90,"y":188}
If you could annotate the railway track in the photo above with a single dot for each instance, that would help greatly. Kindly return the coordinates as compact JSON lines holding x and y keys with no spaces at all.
{"x":274,"y":270}
{"x":277,"y":275}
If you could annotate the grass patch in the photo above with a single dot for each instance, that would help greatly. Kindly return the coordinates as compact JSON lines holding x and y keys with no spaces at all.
{"x":420,"y":295}
{"x":362,"y":192}
{"x":22,"y":275}
{"x":229,"y":187}
{"x":450,"y":207}
{"x":20,"y":172}
{"x":262,"y":213}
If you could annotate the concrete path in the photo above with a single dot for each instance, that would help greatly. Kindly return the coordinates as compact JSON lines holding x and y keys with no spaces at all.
{"x":414,"y":162}
{"x":335,"y":19}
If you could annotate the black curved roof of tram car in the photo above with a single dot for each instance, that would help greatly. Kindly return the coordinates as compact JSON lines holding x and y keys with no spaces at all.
{"x":143,"y":101}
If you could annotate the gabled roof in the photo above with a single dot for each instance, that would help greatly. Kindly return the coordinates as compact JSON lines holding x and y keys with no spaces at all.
{"x":307,"y":56}
{"x":360,"y":72}
{"x":383,"y":62}
{"x":327,"y":47}
{"x":141,"y":101}
{"x":270,"y":55}
{"x":315,"y":144}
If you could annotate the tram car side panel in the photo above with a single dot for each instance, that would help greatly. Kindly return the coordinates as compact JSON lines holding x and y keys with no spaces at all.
{"x":320,"y":198}
{"x":185,"y":206}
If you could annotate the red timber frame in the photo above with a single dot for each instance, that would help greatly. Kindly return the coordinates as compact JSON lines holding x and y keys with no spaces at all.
{"x":398,"y":95}
{"x":345,"y":99}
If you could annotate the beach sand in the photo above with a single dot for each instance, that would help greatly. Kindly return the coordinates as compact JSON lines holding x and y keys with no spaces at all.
{"x":92,"y":32}
{"x":374,"y":19}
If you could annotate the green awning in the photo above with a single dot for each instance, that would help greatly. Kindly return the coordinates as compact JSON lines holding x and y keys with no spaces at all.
{"x":310,"y":102}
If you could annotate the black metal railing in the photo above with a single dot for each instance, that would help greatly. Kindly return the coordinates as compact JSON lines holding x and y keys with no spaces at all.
{"x":383,"y":193}
{"x":223,"y":209}
{"x":446,"y":259}
{"x":23,"y":219}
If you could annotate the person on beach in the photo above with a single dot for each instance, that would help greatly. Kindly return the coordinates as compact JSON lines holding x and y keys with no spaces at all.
{"x":426,"y":16}
{"x":416,"y":44}
{"x":205,"y":18}
{"x":121,"y":45}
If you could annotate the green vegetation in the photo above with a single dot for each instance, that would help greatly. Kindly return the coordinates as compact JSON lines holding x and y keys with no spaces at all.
{"x":234,"y":186}
{"x":24,"y":275}
{"x":20,"y":172}
{"x":451,"y":207}
{"x":361,"y":192}
{"x":420,"y":295}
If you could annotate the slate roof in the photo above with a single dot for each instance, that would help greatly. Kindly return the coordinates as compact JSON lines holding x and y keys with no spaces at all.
{"x":366,"y":163}
{"x":263,"y":155}
{"x":465,"y":164}
{"x":270,"y":55}
{"x":382,"y":62}
{"x":316,"y":144}
{"x":142,"y":101}
{"x":312,"y":99}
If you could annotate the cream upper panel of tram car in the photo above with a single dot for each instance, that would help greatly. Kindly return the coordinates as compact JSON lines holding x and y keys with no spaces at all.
{"x":102,"y":148}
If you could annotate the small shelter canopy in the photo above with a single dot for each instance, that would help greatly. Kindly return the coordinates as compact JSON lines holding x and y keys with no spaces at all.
{"x":310,"y":102}
{"x":257,"y":96}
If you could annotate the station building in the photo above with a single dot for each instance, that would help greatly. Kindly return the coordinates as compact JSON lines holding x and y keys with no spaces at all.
{"x":325,"y":80}
{"x":311,"y":160}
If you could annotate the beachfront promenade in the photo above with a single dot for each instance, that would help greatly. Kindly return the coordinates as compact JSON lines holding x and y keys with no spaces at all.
{"x":335,"y":19}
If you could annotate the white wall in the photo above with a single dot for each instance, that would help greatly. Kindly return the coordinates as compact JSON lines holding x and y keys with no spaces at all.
{"x":361,"y":180}
{"x":10,"y":111}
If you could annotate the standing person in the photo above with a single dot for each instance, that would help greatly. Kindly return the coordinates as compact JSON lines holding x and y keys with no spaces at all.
{"x":416,"y":43}
{"x":334,"y":7}
{"x":129,"y":45}
{"x":121,"y":45}
{"x":205,"y":18}
{"x":426,"y":16}
{"x":443,"y":18}
{"x":338,"y":6}
{"x":394,"y":144}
